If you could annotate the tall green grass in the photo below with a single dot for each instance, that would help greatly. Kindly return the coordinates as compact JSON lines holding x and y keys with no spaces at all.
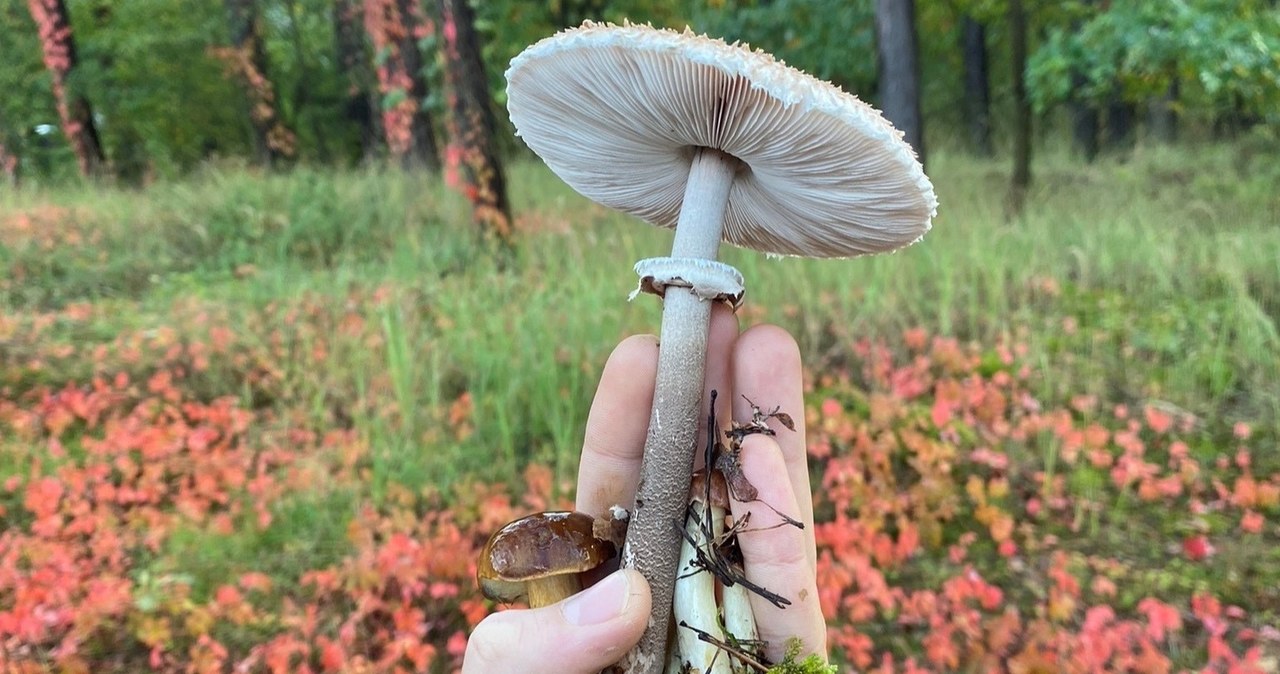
{"x":1154,"y":277}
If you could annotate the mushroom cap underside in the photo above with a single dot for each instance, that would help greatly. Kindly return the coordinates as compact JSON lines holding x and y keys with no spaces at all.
{"x":618,"y":112}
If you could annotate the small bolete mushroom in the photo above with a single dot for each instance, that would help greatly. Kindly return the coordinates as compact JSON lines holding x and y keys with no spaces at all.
{"x":718,"y":142}
{"x":539,"y":557}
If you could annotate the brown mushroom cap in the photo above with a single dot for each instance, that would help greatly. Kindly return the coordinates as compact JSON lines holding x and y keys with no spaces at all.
{"x":537,"y":547}
{"x":719,"y":490}
{"x":618,"y":112}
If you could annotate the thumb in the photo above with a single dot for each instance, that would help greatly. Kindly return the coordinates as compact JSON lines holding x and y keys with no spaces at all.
{"x":580,"y":635}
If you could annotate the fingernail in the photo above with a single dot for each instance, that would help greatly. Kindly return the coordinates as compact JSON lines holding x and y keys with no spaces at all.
{"x":599,"y":603}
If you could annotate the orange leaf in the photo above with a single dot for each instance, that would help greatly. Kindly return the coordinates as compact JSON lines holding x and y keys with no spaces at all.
{"x":332,"y":656}
{"x":1161,"y":618}
{"x":1252,"y":522}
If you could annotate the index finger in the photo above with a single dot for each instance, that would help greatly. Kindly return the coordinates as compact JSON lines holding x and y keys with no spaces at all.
{"x":613,"y":448}
{"x":614,"y":441}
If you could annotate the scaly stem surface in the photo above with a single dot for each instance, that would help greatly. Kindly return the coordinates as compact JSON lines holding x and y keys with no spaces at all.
{"x":653,"y":538}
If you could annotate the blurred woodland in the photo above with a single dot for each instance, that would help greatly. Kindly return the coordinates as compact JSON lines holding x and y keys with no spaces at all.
{"x":134,"y":90}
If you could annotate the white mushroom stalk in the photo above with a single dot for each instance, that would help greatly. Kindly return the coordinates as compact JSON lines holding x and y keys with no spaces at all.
{"x":718,"y":142}
{"x":706,"y":195}
{"x":695,"y":606}
{"x":703,"y":605}
{"x":739,"y":619}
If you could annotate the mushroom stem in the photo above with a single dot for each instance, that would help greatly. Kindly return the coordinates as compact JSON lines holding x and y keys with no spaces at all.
{"x":695,"y":600}
{"x":549,"y":590}
{"x":653,"y":540}
{"x":739,"y":620}
{"x":706,"y":194}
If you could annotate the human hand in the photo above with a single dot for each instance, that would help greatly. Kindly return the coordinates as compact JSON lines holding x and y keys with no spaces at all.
{"x":593,"y":629}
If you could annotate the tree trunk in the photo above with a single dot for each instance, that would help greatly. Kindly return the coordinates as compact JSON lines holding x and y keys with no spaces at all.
{"x":247,"y":62}
{"x":302,"y":98}
{"x":395,"y":26}
{"x":1085,"y":124}
{"x":130,"y":164}
{"x":1163,"y":113}
{"x":472,"y":159}
{"x":1086,"y":121}
{"x":1120,"y":115}
{"x":571,"y":13}
{"x":8,"y":156}
{"x":424,"y":151}
{"x":1020,"y":180}
{"x":899,"y":69}
{"x":977,"y":84}
{"x":8,"y":166}
{"x":361,"y":103}
{"x":1229,"y":119}
{"x":74,"y":111}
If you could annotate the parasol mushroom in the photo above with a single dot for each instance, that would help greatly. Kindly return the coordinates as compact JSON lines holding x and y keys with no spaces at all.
{"x":721,"y":143}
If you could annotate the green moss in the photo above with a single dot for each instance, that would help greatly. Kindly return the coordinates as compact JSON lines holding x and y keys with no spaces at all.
{"x":810,"y":665}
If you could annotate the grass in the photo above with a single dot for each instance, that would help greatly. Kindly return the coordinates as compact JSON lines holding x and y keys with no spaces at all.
{"x":364,"y":302}
{"x":1151,"y":278}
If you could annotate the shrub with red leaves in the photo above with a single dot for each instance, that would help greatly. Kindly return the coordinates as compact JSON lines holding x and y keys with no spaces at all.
{"x":962,"y":524}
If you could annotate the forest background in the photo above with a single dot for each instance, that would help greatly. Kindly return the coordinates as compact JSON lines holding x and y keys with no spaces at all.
{"x":286,"y":332}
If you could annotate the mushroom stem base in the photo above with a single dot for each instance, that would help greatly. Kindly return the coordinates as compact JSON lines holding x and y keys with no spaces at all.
{"x":653,"y":538}
{"x":695,"y":605}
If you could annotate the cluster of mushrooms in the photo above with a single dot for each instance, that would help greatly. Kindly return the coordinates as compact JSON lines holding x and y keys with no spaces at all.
{"x":721,"y":143}
{"x":541,"y":557}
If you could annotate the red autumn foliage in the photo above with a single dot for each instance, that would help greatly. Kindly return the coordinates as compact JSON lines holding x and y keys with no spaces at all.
{"x":894,"y":441}
{"x":947,"y":540}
